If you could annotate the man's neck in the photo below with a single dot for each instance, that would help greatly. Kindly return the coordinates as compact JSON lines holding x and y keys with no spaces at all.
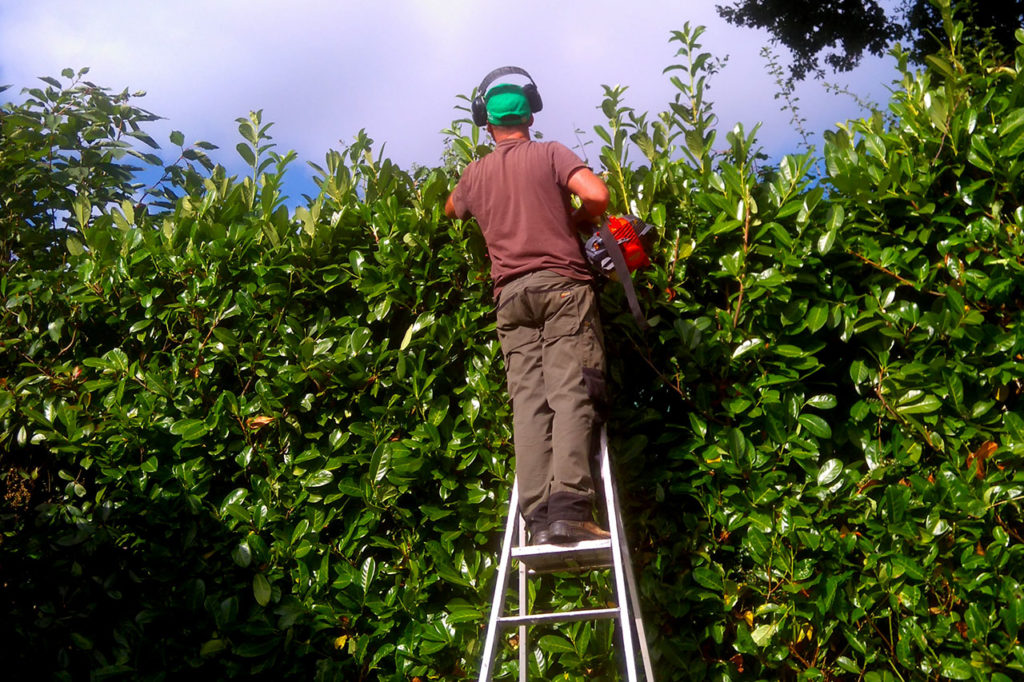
{"x":505,"y":135}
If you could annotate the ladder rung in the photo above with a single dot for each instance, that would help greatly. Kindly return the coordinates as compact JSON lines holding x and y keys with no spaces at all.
{"x":559,"y":617}
{"x":580,"y":556}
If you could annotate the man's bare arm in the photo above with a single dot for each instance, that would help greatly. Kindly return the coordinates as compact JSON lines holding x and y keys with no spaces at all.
{"x":593,"y":194}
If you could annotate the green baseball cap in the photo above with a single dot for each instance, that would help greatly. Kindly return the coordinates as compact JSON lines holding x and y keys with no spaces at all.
{"x":507,"y":105}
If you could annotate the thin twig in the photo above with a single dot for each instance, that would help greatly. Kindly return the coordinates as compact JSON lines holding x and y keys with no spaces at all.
{"x":901,"y":280}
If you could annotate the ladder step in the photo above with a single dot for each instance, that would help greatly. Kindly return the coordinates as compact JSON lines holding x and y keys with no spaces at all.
{"x":559,"y":617}
{"x":579,"y":556}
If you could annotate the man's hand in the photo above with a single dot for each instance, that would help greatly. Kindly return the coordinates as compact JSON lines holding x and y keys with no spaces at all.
{"x":582,"y":221}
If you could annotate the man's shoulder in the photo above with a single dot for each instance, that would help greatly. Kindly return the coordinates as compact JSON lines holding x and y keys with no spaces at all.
{"x":552,"y":152}
{"x":563,"y":159}
{"x":554,"y":144}
{"x":477,"y":165}
{"x":549,"y":146}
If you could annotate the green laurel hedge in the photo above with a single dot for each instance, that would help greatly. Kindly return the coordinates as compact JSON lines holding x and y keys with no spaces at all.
{"x":241,"y":439}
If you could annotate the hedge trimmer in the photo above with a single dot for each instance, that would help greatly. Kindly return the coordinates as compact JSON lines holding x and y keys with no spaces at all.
{"x":620,"y":245}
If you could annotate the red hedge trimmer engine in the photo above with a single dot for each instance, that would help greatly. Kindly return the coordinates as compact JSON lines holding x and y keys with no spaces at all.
{"x":619,"y":246}
{"x":635,"y":239}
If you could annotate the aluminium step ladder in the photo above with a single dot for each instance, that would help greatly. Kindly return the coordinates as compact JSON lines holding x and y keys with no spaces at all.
{"x":581,"y":556}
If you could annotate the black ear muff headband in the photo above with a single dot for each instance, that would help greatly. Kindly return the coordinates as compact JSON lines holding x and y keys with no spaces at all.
{"x":479,"y":105}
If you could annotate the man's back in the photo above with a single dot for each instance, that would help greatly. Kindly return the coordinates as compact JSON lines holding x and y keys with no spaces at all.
{"x":519,"y":195}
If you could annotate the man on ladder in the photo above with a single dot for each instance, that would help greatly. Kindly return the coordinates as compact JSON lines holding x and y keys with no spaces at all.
{"x":553,"y":348}
{"x":547,"y":316}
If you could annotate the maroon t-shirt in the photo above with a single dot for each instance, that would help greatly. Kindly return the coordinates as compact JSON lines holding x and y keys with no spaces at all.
{"x":519,"y":195}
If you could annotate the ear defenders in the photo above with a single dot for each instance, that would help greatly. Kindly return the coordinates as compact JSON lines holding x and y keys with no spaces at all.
{"x":479,"y":105}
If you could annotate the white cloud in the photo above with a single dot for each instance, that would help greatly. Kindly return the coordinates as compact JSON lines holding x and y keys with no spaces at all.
{"x":322,"y":70}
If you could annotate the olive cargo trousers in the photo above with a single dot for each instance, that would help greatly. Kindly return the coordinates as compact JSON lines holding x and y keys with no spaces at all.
{"x":553,"y":347}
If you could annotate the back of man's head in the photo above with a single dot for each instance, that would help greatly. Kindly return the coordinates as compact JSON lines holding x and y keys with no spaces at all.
{"x":507,"y":105}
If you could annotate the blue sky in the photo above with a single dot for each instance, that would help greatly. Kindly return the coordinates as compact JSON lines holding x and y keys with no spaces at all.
{"x":321,"y":71}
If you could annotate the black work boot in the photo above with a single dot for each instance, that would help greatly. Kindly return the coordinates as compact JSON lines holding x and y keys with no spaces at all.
{"x":539,"y":535}
{"x":565,"y":532}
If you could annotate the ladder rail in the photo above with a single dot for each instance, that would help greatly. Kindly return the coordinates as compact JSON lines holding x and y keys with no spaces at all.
{"x":618,"y":541}
{"x":498,"y":602}
{"x":524,"y":609}
{"x":638,"y":620}
{"x":627,"y":561}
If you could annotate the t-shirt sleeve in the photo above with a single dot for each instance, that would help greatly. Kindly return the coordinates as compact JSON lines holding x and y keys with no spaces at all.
{"x":462,"y":195}
{"x":564,"y":162}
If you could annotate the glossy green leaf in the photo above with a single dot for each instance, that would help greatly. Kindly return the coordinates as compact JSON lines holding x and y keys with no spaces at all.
{"x":918,"y":404}
{"x":555,"y":644}
{"x":817,"y":316}
{"x":367,"y":574}
{"x":763,"y":634}
{"x":829,"y":472}
{"x":261,"y":589}
{"x":746,"y":346}
{"x":318,"y":479}
{"x":956,"y":668}
{"x":816,"y":425}
{"x":822,"y":402}
{"x":241,"y":554}
{"x":189,"y":429}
